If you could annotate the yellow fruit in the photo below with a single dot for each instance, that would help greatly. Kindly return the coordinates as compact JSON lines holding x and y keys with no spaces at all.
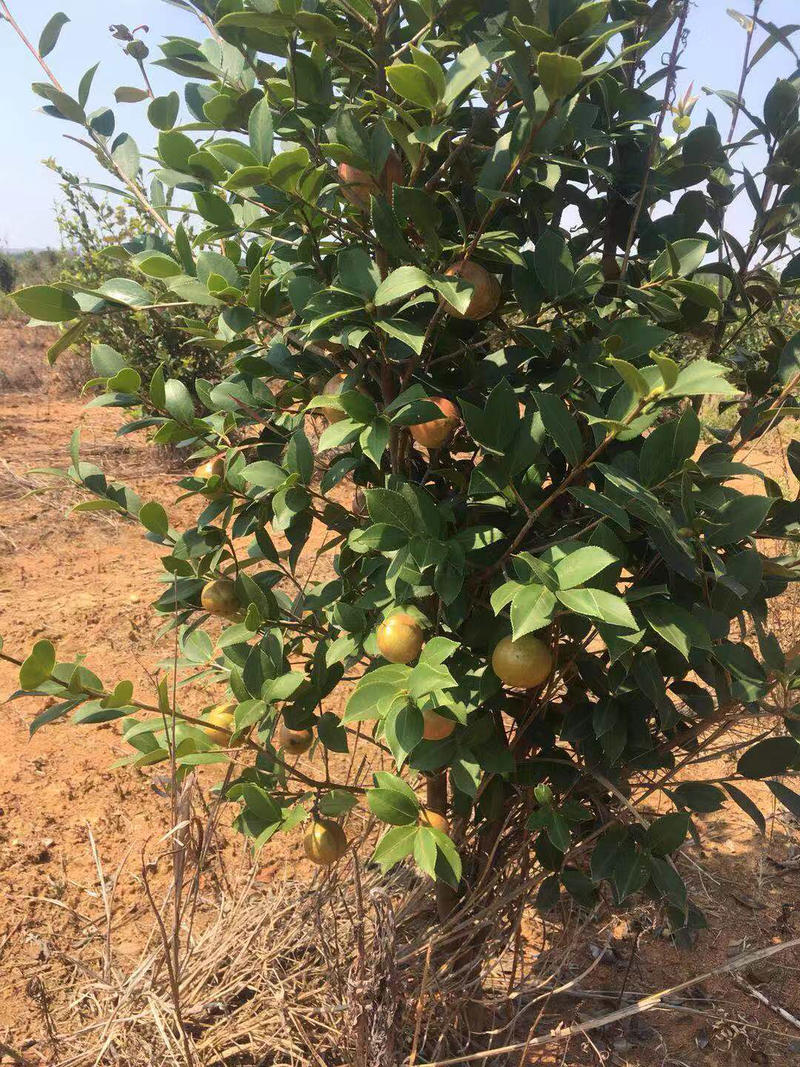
{"x":295,"y":742}
{"x":212,"y":467}
{"x":219,"y":598}
{"x":333,"y":387}
{"x":359,"y":185}
{"x":324,"y":842}
{"x":438,"y":432}
{"x":486,"y":290}
{"x":434,"y":820}
{"x":221,"y":716}
{"x":524,"y":663}
{"x":400,"y":638}
{"x":437,"y":727}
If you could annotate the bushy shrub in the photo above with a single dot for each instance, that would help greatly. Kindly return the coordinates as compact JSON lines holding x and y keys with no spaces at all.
{"x":7,"y":274}
{"x":460,"y":235}
{"x":99,"y":240}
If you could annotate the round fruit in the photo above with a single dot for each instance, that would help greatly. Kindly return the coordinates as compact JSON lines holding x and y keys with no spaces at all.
{"x":295,"y":742}
{"x":524,"y":663}
{"x":214,"y":467}
{"x":211,"y":468}
{"x":324,"y":842}
{"x":400,"y":638}
{"x":434,"y":820}
{"x":438,"y":432}
{"x":486,"y":290}
{"x":219,"y":598}
{"x":359,"y":185}
{"x":221,"y":716}
{"x":437,"y":727}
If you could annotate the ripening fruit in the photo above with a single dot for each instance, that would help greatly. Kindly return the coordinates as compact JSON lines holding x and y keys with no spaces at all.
{"x":295,"y":742}
{"x":211,"y":467}
{"x":214,"y":467}
{"x":359,"y":185}
{"x":436,"y":727}
{"x":333,"y":387}
{"x":438,"y":432}
{"x":324,"y":842}
{"x":221,"y":716}
{"x":400,"y":638}
{"x":523,"y":663}
{"x":434,"y":820}
{"x":219,"y":598}
{"x":485,"y":294}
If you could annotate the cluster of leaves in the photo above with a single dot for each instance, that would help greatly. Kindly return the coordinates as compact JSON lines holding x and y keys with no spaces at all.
{"x":99,"y":240}
{"x":575,"y":501}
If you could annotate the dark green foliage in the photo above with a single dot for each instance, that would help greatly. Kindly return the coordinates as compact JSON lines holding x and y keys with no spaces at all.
{"x":335,"y":164}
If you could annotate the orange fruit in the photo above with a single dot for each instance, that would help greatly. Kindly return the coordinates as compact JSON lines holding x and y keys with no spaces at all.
{"x":400,"y":638}
{"x":485,"y":294}
{"x":295,"y":742}
{"x":524,"y":663}
{"x":359,"y":185}
{"x":437,"y":727}
{"x":434,"y":820}
{"x":324,"y":842}
{"x":438,"y":432}
{"x":221,"y":725}
{"x":219,"y":598}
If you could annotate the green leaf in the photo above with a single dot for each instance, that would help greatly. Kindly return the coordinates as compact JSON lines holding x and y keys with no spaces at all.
{"x":264,"y":474}
{"x":47,"y":303}
{"x":739,"y":518}
{"x":156,"y":264}
{"x":50,"y":34}
{"x":789,"y":362}
{"x":125,"y":155}
{"x":702,"y":377}
{"x":675,"y":624}
{"x":598,"y":604}
{"x":390,"y":508}
{"x":465,"y":69}
{"x":260,"y":128}
{"x":403,"y":730}
{"x":163,"y":111}
{"x":747,"y":805}
{"x":680,"y":258}
{"x":667,"y":834}
{"x":400,"y":283}
{"x":634,"y":379}
{"x":38,"y":666}
{"x":154,"y":518}
{"x":395,"y":845}
{"x":559,"y":74}
{"x":411,"y":83}
{"x":560,"y":425}
{"x":130,"y":94}
{"x":579,"y":566}
{"x":699,"y":796}
{"x":553,"y":264}
{"x":786,"y":796}
{"x":178,"y":400}
{"x":392,"y":806}
{"x":773,"y":755}
{"x":531,"y":609}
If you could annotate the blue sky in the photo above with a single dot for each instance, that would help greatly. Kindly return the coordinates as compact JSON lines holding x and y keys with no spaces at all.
{"x":28,"y":190}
